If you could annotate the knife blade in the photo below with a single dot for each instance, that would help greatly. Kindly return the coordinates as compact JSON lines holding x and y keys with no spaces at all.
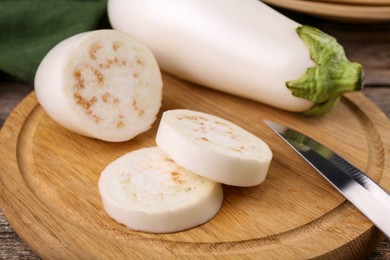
{"x":354,"y":184}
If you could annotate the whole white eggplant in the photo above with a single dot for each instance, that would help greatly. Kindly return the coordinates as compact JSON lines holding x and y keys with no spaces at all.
{"x":242,"y":47}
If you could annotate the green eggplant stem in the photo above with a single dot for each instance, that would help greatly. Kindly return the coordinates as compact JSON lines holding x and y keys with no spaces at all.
{"x":332,"y":76}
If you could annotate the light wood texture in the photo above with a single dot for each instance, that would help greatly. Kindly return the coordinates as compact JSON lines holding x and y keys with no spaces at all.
{"x":337,"y":12}
{"x":355,"y":2}
{"x":49,"y":186}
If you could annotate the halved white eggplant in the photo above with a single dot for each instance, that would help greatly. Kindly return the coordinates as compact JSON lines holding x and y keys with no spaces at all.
{"x":146,"y":191}
{"x":103,"y":84}
{"x":213,"y":147}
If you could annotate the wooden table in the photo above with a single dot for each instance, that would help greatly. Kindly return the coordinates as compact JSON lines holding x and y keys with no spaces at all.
{"x":368,"y":44}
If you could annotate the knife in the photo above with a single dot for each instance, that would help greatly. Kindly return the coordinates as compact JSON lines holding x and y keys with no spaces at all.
{"x":354,"y":184}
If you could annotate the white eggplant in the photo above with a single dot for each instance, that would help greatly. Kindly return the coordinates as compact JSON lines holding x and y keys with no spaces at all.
{"x":242,"y":47}
{"x":103,"y":84}
{"x":213,"y":147}
{"x":146,"y":191}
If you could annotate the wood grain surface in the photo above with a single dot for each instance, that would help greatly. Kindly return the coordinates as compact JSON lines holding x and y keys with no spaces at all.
{"x":338,"y":12}
{"x":354,"y":2}
{"x":49,"y":181}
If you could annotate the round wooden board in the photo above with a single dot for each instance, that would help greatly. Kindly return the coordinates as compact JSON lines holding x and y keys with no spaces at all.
{"x":354,"y":2}
{"x":337,"y":12}
{"x":50,"y":196}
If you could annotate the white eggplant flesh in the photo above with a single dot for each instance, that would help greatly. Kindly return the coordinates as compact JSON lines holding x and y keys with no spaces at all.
{"x":241,"y":47}
{"x":146,"y":191}
{"x":213,"y":147}
{"x":102,"y":84}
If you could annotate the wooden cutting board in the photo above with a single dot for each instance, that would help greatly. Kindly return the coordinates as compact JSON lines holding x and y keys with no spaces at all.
{"x":50,"y":196}
{"x":354,"y":2}
{"x":339,"y":12}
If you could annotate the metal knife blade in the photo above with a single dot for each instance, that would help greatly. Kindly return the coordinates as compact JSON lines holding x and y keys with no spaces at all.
{"x":354,"y":184}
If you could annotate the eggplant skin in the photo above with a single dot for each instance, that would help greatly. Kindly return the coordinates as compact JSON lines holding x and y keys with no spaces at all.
{"x":227,"y":45}
{"x":243,"y":47}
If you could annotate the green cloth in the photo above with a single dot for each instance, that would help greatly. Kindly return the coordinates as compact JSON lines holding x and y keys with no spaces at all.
{"x":30,"y":28}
